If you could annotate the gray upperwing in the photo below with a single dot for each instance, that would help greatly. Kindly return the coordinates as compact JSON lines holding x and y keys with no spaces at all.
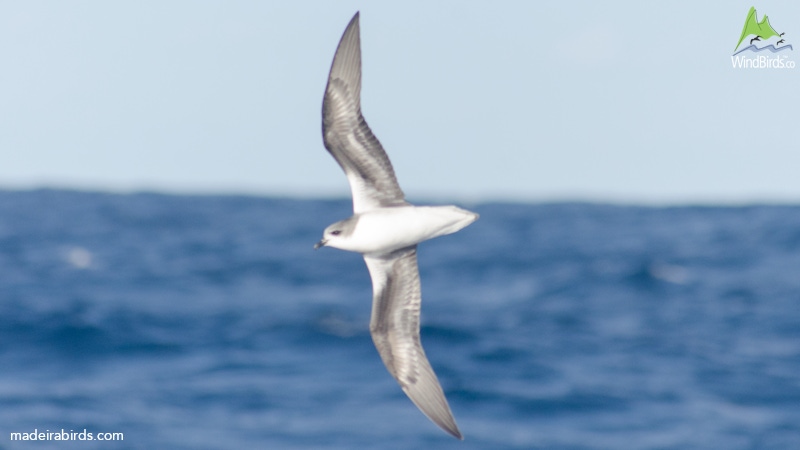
{"x":347,"y":136}
{"x":395,"y":331}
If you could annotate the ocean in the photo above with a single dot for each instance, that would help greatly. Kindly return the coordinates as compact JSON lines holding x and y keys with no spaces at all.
{"x":209,"y":322}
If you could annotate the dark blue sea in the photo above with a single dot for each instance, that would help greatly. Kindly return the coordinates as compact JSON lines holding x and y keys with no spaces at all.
{"x":209,"y":322}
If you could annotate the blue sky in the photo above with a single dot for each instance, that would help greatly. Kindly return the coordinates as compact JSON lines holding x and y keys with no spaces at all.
{"x":536,"y":101}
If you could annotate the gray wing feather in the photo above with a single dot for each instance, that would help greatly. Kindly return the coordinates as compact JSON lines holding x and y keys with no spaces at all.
{"x":395,"y":332}
{"x":347,"y":136}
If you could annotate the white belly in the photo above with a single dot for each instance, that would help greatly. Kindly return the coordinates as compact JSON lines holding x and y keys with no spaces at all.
{"x":388,"y":229}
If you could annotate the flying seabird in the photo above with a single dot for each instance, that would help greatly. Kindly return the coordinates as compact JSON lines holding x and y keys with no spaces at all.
{"x":385,"y":229}
{"x":757,"y":38}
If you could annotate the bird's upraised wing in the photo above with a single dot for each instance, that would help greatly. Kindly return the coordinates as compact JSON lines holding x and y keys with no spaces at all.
{"x":347,"y":136}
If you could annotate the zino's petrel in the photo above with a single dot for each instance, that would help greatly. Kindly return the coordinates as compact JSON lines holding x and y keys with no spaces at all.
{"x":386,"y":230}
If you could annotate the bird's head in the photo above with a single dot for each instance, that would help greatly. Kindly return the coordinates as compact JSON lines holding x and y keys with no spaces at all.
{"x":337,"y":234}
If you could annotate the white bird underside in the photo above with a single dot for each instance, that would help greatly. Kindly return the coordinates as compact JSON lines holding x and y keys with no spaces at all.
{"x":385,"y":229}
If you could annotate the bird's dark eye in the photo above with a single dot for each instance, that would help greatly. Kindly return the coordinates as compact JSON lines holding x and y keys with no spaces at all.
{"x":336,"y":232}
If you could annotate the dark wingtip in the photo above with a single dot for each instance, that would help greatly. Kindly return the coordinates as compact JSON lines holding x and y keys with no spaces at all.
{"x":452,"y":430}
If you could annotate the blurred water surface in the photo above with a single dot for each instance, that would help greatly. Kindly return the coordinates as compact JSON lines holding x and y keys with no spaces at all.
{"x":208,"y":322}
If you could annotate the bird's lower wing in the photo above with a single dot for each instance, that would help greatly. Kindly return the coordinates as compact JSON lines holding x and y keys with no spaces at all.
{"x":395,"y":331}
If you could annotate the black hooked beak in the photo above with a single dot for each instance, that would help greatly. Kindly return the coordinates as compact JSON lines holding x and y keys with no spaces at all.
{"x":320,"y":244}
